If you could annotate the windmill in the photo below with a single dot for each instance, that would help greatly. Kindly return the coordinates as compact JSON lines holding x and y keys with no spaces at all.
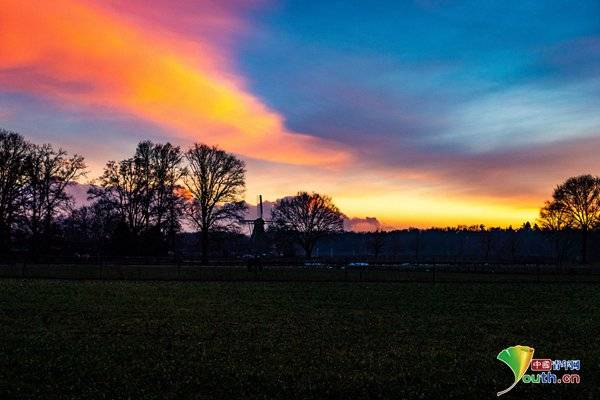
{"x":257,"y":227}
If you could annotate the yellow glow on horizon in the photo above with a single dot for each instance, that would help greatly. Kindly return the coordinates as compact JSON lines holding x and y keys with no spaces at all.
{"x":395,"y":203}
{"x":417,"y":210}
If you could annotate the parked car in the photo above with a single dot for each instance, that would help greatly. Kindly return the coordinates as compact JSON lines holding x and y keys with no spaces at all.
{"x":312,"y":264}
{"x":358,"y":264}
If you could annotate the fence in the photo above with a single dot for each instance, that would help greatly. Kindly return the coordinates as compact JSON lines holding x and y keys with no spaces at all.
{"x":311,"y":273}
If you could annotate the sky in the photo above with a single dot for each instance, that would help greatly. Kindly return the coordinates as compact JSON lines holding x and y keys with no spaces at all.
{"x":419,"y":113}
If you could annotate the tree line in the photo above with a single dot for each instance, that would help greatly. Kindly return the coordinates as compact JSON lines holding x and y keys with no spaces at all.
{"x":526,"y":244}
{"x":139,"y":205}
{"x":33,"y":181}
{"x":146,"y":204}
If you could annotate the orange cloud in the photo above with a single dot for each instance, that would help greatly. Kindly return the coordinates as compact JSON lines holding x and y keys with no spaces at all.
{"x":78,"y":52}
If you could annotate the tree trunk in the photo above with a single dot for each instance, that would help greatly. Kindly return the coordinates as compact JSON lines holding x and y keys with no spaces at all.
{"x":4,"y":239}
{"x":308,"y":249}
{"x":584,"y":240}
{"x":204,"y":245}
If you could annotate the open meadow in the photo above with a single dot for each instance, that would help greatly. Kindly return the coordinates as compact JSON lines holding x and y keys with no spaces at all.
{"x":251,"y":340}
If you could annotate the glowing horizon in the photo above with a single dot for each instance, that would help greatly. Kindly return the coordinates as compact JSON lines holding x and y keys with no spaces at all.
{"x":473,"y":121}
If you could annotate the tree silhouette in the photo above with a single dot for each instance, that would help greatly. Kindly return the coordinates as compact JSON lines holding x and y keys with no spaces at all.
{"x":575,"y":204}
{"x":554,"y":217}
{"x":90,"y":228}
{"x":554,"y":220}
{"x":376,"y":243}
{"x":307,"y":217}
{"x":145,"y":191}
{"x":13,"y":152}
{"x":167,"y":202}
{"x":48,"y":172}
{"x":216,"y":182}
{"x":486,"y":241}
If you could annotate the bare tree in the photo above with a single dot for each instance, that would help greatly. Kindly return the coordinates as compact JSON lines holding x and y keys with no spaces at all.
{"x":554,"y":217}
{"x":575,"y":204}
{"x":554,"y":220}
{"x":48,"y":172}
{"x":13,"y":153}
{"x":167,"y":174}
{"x":145,"y":190}
{"x":167,"y":203}
{"x":216,"y":181}
{"x":307,"y":217}
{"x":123,"y":188}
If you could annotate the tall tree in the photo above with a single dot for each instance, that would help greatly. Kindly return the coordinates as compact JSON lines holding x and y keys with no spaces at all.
{"x":307,"y":217}
{"x":48,"y":172}
{"x":13,"y":152}
{"x":575,"y":204}
{"x":122,"y":188}
{"x":554,"y":217}
{"x":555,"y":220}
{"x":167,"y":203}
{"x":144,"y":190}
{"x":216,"y":181}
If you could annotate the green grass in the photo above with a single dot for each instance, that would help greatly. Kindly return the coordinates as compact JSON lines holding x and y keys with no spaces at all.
{"x":172,"y":340}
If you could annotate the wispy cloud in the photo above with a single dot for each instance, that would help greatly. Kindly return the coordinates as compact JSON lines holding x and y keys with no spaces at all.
{"x":524,"y":115}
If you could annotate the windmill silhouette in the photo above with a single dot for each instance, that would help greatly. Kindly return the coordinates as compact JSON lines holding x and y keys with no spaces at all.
{"x":258,"y":237}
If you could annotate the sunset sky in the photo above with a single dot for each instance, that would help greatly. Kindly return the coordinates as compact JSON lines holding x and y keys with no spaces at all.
{"x":418,"y":113}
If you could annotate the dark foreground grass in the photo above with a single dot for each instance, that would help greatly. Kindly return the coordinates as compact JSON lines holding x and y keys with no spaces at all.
{"x":170,"y":340}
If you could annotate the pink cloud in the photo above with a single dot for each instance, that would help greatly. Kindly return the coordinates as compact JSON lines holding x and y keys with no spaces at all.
{"x":82,"y":53}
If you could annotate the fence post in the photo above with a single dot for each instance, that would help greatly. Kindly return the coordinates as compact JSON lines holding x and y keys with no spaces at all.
{"x":433,"y":273}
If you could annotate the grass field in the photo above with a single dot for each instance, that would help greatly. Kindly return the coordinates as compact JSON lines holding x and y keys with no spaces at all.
{"x":168,"y":340}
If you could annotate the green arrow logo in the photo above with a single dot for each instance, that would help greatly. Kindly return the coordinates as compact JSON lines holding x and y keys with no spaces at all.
{"x":518,"y":359}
